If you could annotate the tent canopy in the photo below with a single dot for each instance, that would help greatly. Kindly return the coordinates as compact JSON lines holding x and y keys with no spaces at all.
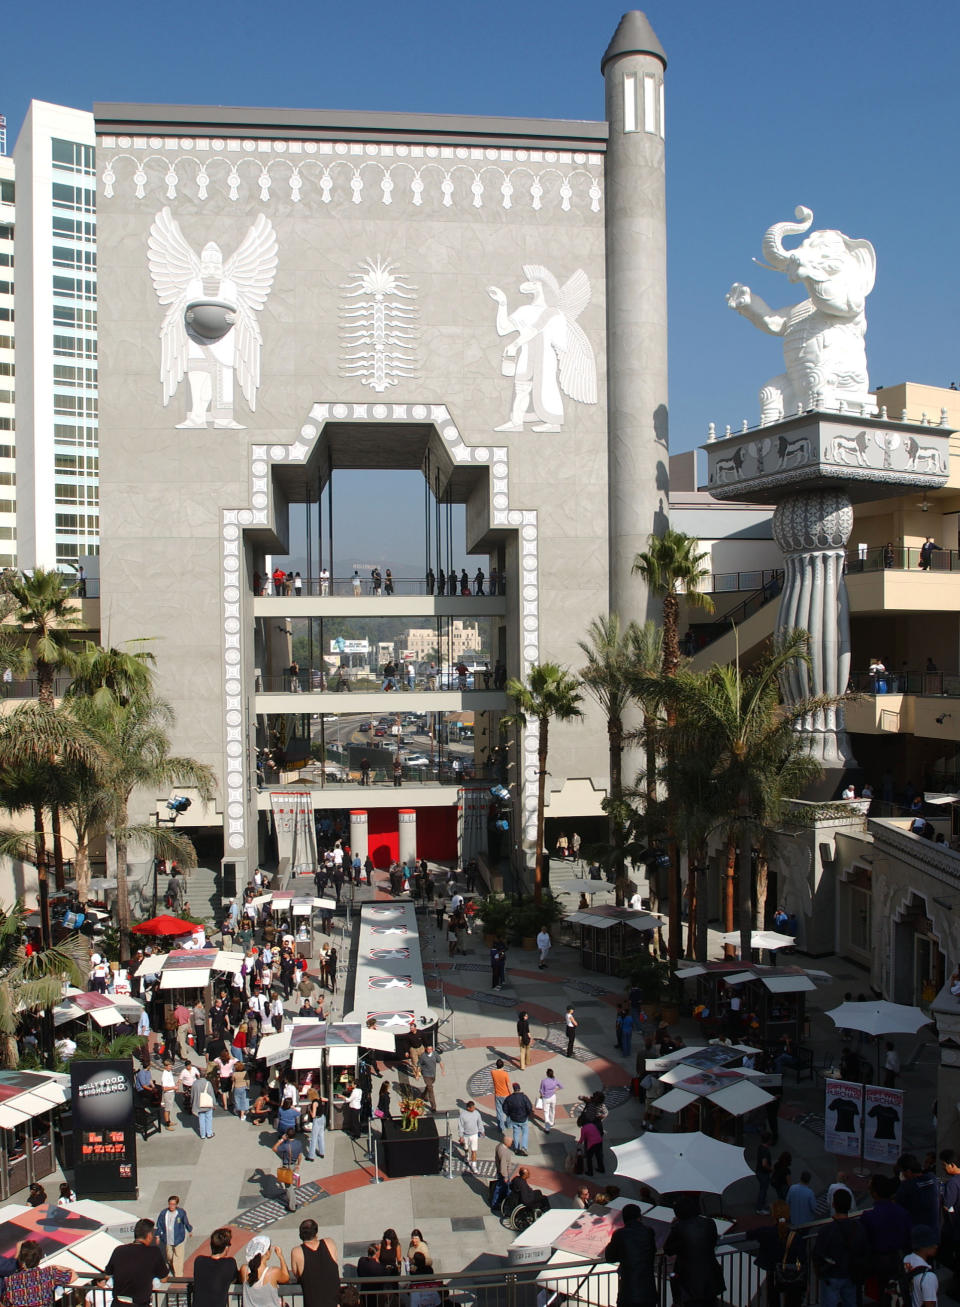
{"x":165,"y":924}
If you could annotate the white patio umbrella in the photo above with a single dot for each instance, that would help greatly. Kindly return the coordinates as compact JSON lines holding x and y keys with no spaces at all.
{"x":693,"y":1161}
{"x":879,"y":1017}
{"x":768,"y":939}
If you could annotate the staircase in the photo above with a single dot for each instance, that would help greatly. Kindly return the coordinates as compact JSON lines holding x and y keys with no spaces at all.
{"x":203,"y":893}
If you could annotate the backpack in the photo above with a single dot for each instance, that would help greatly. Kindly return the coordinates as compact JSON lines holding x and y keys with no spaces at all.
{"x":899,"y":1288}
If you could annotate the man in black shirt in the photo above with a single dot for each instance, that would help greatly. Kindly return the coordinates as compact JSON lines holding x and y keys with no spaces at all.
{"x":135,"y":1266}
{"x":919,"y":1192}
{"x":840,"y":1255}
{"x":369,"y":1266}
{"x":634,"y":1248}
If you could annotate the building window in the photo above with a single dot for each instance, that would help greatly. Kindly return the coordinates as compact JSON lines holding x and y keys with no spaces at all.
{"x":80,"y":229}
{"x":7,"y":191}
{"x":64,"y":256}
{"x":73,"y":156}
{"x":66,"y":316}
{"x":77,"y":198}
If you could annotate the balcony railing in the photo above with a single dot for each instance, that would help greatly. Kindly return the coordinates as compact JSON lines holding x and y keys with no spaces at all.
{"x":442,"y":773}
{"x":900,"y":558}
{"x":580,"y":1283}
{"x":347,"y":586}
{"x":730,"y":582}
{"x":932,"y":684}
{"x":30,"y":688}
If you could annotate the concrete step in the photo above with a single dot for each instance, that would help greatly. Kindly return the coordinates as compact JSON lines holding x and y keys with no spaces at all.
{"x":203,"y":894}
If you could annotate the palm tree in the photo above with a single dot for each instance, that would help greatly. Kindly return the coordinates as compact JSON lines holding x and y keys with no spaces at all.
{"x":44,"y":613}
{"x":760,"y":759}
{"x":136,"y":754}
{"x":31,"y":983}
{"x":42,"y":616}
{"x":550,"y":693}
{"x":607,"y":678}
{"x":111,"y":674}
{"x":646,"y":660}
{"x":40,"y":744}
{"x":672,"y":565}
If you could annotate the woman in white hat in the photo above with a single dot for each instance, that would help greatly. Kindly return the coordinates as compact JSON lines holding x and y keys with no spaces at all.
{"x":258,"y":1277}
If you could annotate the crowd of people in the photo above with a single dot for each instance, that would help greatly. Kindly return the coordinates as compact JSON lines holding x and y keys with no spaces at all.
{"x":381,"y":582}
{"x":913,"y":1218}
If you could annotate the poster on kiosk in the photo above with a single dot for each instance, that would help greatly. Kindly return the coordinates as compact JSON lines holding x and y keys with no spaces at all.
{"x":882,"y":1124}
{"x":104,"y":1128}
{"x":843,"y":1112}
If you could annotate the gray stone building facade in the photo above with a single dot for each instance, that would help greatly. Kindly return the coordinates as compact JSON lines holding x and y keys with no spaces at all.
{"x":283,"y":294}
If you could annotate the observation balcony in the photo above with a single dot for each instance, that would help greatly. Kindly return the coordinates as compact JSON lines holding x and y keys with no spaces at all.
{"x":924,"y":703}
{"x":408,"y":599}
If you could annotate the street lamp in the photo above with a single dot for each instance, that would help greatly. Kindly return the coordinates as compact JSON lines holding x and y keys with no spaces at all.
{"x":177,"y":805}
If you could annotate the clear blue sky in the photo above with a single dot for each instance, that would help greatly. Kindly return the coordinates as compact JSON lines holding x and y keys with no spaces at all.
{"x":850,"y":107}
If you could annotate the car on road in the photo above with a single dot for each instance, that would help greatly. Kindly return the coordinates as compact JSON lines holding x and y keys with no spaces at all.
{"x":365,"y":726}
{"x":416,"y":760}
{"x":380,"y":730}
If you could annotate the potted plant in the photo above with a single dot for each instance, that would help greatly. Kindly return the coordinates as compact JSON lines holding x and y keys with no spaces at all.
{"x":495,"y":911}
{"x":528,"y":918}
{"x":655,"y":979}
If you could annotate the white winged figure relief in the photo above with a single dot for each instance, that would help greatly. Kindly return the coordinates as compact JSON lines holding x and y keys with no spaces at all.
{"x":210,"y":329}
{"x":549,"y":356}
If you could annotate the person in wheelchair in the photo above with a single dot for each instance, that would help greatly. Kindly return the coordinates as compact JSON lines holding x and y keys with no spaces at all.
{"x":522,"y":1195}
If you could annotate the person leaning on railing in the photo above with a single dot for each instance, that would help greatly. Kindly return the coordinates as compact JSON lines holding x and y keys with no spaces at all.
{"x":33,"y":1285}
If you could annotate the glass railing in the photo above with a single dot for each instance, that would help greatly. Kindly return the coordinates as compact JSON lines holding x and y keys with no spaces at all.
{"x":363,"y":586}
{"x":933,"y":684}
{"x":318,"y":681}
{"x":900,"y":558}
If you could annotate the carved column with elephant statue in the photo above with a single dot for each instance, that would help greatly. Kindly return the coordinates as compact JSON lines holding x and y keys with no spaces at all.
{"x":820,"y":446}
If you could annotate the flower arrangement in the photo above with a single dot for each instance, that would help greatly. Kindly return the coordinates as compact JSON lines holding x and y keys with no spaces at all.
{"x":411,"y":1110}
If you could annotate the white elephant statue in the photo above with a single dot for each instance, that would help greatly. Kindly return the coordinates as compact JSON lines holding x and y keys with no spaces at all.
{"x":823,"y":336}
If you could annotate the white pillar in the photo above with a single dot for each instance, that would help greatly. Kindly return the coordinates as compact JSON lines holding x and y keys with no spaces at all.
{"x":407,"y":834}
{"x":812,"y":528}
{"x":358,"y":832}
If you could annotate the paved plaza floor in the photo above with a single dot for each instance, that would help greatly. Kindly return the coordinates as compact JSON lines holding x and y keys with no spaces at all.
{"x":230,"y":1179}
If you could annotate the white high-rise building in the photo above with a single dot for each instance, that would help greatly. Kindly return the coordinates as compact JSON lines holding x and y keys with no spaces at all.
{"x":8,"y":473}
{"x":57,"y":451}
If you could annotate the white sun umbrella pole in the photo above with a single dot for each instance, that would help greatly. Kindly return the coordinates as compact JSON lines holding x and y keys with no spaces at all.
{"x":879,"y":1018}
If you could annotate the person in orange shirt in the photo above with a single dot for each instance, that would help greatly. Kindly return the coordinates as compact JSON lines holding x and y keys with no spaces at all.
{"x":501,"y":1088}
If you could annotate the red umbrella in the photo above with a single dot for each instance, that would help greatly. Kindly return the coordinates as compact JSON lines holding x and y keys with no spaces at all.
{"x":165,"y":925}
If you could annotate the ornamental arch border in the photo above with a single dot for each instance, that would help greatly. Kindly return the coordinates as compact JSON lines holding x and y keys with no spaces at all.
{"x":238,"y":765}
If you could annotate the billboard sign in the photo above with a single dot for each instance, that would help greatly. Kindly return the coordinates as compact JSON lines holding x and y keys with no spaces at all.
{"x":104,"y":1128}
{"x":341,"y":646}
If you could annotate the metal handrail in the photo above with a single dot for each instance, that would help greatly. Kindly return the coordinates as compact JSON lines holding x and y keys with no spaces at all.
{"x":926,"y":684}
{"x":729,"y":582}
{"x":30,"y":688}
{"x":506,"y":1285}
{"x":320,"y":680}
{"x":344,"y":587}
{"x":899,"y":558}
{"x":746,"y":608}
